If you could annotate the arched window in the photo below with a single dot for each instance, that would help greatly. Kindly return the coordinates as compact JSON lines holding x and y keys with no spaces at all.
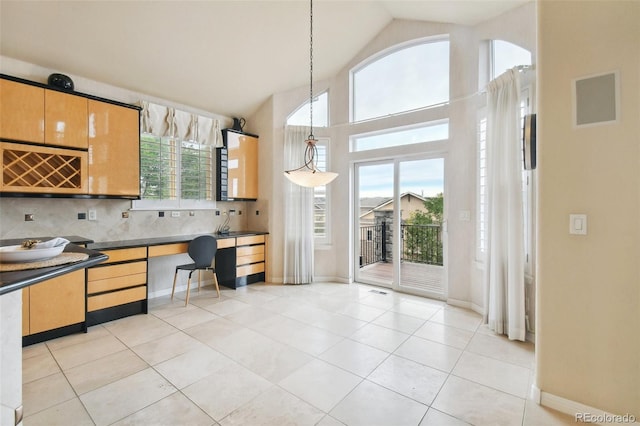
{"x":408,"y":78}
{"x":300,"y":117}
{"x":505,"y":55}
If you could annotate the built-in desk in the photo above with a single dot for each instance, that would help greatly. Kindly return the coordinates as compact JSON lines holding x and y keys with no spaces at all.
{"x":118,"y":288}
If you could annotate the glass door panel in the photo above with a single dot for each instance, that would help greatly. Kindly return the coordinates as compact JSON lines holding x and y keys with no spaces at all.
{"x":374,"y":207}
{"x":421,"y":238}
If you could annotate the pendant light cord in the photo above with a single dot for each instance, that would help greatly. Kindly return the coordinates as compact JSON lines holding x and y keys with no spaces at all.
{"x":311,"y":70}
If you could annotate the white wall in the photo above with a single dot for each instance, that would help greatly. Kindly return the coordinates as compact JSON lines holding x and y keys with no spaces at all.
{"x":588,"y":327}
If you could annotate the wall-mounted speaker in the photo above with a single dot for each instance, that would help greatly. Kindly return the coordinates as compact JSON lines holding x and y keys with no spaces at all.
{"x":529,"y":142}
{"x":596,"y":100}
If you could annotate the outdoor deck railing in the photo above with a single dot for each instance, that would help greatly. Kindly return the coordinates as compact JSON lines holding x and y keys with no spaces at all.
{"x":420,"y":244}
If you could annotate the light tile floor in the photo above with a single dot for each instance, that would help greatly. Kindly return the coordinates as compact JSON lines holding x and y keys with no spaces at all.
{"x":320,"y":354}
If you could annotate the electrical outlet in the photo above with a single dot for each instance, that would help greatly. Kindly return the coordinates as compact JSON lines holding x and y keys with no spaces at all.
{"x":160,"y":214}
{"x":93,"y":215}
{"x":232,"y":212}
{"x":217,"y":212}
{"x":175,"y":214}
{"x":257,"y":212}
{"x":239,"y":212}
{"x":82,"y":216}
{"x":125,"y":215}
{"x":192,"y":213}
{"x":28,"y":217}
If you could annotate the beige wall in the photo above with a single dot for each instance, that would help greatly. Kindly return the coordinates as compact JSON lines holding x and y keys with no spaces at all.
{"x":588,"y":327}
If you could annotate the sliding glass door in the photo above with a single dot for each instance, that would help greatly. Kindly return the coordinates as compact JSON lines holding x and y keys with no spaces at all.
{"x":375,"y":214}
{"x":400,"y":224}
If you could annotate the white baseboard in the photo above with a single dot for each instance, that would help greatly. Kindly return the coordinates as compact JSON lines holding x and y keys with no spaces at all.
{"x":467,"y":305}
{"x":325,"y":279}
{"x":582,"y":413}
{"x":535,"y":394}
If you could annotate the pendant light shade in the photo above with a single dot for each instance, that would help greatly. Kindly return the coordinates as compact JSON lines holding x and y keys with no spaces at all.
{"x":308,"y":174}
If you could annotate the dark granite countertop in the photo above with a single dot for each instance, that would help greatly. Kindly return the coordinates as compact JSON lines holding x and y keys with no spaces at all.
{"x":156,"y":241}
{"x":12,"y":281}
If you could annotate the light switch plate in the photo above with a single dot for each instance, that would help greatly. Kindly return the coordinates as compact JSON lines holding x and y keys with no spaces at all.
{"x":578,"y":224}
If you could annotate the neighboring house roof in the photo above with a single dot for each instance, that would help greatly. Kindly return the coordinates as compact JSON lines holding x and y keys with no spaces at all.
{"x":386,"y":201}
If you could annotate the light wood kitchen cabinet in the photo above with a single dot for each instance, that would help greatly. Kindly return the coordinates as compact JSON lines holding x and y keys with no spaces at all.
{"x":237,"y":167}
{"x":22,"y":112}
{"x":114,"y":150}
{"x":117,"y":287}
{"x":52,"y":304}
{"x":41,"y":169}
{"x":37,"y":115}
{"x":65,"y":120}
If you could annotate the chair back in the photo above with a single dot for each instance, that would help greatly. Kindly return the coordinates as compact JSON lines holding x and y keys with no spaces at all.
{"x":202,"y":250}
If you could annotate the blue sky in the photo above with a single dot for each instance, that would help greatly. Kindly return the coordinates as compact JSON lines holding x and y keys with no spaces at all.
{"x":424,"y":177}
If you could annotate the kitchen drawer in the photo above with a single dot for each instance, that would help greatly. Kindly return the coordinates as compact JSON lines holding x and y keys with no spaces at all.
{"x":114,"y":271}
{"x":168,"y":249}
{"x":253,"y":239}
{"x":120,"y":255}
{"x":116,"y":298}
{"x":252,"y":258}
{"x":248,"y":250}
{"x":116,"y":283}
{"x":249,"y":269}
{"x":226,"y":243}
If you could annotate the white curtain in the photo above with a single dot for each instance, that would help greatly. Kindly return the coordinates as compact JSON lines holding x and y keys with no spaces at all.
{"x":504,"y":274}
{"x":298,"y":213}
{"x":160,"y":120}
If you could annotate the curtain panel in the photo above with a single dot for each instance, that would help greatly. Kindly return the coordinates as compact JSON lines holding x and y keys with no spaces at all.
{"x":504,"y":272}
{"x":163,"y":121}
{"x":298,"y":215}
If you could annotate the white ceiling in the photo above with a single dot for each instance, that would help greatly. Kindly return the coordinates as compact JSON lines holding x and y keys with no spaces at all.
{"x":222,"y":56}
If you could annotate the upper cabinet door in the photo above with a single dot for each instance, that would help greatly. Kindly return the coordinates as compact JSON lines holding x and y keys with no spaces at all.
{"x":65,"y":120}
{"x":21,"y":112}
{"x":242,"y":166}
{"x":114,"y":150}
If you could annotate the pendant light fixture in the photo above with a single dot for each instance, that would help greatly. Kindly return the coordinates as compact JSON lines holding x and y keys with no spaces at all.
{"x":308,"y":174}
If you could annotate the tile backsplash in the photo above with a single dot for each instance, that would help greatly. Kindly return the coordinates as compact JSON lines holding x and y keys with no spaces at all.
{"x":59,"y":216}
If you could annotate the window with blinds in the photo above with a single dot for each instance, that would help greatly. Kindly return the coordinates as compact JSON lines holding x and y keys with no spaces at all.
{"x":300,"y":117}
{"x":177,"y":159}
{"x":320,"y":200}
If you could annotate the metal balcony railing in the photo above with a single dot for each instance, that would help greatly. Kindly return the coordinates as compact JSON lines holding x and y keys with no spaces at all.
{"x":420,"y":244}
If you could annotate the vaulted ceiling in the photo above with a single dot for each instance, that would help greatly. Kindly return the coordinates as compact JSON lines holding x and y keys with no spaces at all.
{"x":222,"y":56}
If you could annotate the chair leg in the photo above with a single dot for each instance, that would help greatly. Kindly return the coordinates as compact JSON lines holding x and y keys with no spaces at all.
{"x":199,"y":271}
{"x":173,"y":289}
{"x":215,"y":281}
{"x":188,"y":287}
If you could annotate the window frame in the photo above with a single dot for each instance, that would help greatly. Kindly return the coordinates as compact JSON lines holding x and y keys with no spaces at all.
{"x":322,"y":142}
{"x":177,"y":202}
